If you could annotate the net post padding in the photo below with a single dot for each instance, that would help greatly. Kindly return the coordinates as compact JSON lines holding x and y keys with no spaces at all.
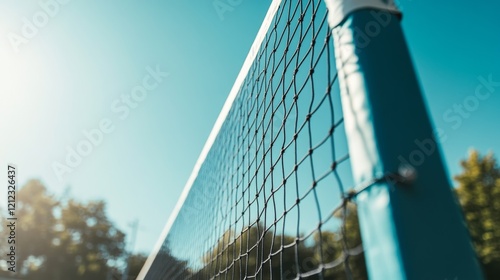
{"x":413,"y":230}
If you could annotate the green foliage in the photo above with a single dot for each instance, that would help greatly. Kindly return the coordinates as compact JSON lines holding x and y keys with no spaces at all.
{"x":69,"y":239}
{"x":334,"y":247}
{"x":135,"y":263}
{"x":87,"y":239}
{"x":479,"y":195}
{"x":175,"y":268}
{"x":267,"y":255}
{"x":64,"y":239}
{"x":254,"y":246}
{"x":36,"y":220}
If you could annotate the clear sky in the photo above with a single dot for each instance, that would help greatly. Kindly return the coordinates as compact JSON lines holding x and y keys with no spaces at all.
{"x":75,"y":72}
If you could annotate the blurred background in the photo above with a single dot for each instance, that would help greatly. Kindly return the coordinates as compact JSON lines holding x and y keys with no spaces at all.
{"x":105,"y":107}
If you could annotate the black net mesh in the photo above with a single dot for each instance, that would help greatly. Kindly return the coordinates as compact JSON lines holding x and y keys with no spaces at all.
{"x":271,"y":199}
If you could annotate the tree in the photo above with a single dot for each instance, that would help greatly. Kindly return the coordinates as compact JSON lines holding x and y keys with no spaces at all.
{"x":84,"y":241}
{"x":256,"y":252}
{"x":167,"y":267}
{"x":135,"y":264}
{"x":261,"y":252}
{"x":335,"y":246}
{"x":479,"y":195}
{"x":63,"y":239}
{"x":36,"y":220}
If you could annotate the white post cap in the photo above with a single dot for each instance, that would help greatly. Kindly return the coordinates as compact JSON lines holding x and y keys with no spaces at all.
{"x":338,"y":10}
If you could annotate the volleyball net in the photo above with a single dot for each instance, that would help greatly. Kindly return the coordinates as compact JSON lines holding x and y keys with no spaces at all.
{"x":273,"y":194}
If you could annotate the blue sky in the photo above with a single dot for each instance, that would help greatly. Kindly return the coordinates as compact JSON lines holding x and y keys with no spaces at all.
{"x":65,"y":79}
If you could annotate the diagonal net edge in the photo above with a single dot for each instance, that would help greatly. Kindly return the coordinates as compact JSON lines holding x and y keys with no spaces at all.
{"x":268,"y":199}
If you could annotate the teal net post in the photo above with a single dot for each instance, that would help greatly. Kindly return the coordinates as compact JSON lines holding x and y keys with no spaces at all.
{"x":411,"y":223}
